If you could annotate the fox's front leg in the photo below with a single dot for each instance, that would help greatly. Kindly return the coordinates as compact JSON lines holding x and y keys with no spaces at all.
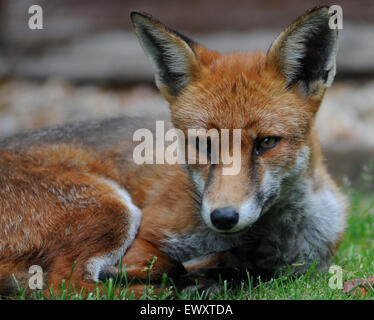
{"x":145,"y":263}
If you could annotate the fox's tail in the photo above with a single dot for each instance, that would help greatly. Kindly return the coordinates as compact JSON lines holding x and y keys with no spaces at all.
{"x":12,"y":278}
{"x":7,"y":286}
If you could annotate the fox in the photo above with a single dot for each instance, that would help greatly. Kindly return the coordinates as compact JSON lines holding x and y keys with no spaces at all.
{"x":72,"y":195}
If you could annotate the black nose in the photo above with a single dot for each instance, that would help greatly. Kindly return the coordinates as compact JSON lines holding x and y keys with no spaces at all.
{"x":224,"y":218}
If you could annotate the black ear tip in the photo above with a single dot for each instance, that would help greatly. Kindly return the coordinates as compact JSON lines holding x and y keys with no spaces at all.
{"x":133,"y":14}
{"x":136,"y":16}
{"x":319,"y":15}
{"x":319,"y":9}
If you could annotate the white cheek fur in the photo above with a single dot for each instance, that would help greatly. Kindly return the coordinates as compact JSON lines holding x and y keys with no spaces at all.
{"x":249,"y":213}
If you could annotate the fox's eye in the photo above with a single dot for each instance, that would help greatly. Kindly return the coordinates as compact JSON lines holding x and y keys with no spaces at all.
{"x":266,"y":144}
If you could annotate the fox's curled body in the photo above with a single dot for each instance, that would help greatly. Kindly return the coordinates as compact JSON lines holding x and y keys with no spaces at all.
{"x":74,"y":194}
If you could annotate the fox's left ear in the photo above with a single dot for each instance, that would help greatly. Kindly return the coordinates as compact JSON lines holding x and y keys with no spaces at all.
{"x":305,"y":53}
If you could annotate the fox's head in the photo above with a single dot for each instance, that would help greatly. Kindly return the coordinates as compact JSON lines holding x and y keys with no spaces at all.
{"x":273,"y":98}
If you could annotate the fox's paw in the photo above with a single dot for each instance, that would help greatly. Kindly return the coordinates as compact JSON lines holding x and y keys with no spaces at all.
{"x":109,"y":272}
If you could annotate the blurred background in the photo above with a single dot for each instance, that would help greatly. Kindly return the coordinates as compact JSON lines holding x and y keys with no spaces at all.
{"x":86,"y":63}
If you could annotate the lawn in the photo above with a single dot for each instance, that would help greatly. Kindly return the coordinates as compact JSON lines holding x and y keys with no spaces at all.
{"x":355,"y":257}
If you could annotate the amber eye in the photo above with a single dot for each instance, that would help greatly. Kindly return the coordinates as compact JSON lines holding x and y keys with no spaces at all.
{"x":268,"y":142}
{"x":265,"y":144}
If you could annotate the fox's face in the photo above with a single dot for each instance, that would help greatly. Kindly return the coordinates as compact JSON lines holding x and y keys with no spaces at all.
{"x":274,"y":124}
{"x":271,"y":98}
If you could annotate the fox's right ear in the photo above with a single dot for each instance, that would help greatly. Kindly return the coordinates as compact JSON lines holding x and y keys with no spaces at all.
{"x":173,"y":59}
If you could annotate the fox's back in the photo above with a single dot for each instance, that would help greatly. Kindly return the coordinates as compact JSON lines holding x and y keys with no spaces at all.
{"x":99,"y":135}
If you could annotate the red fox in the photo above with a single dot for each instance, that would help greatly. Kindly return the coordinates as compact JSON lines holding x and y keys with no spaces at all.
{"x":72,"y":194}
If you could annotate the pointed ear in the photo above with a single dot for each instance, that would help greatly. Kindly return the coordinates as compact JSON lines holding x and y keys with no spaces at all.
{"x":173,"y":59}
{"x":305,"y":53}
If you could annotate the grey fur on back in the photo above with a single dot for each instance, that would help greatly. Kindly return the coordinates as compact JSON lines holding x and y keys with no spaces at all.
{"x":98,"y":134}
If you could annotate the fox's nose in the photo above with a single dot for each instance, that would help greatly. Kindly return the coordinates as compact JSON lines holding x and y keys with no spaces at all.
{"x":224,"y":218}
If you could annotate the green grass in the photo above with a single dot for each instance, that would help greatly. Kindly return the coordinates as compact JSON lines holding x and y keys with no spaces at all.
{"x":355,"y":256}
